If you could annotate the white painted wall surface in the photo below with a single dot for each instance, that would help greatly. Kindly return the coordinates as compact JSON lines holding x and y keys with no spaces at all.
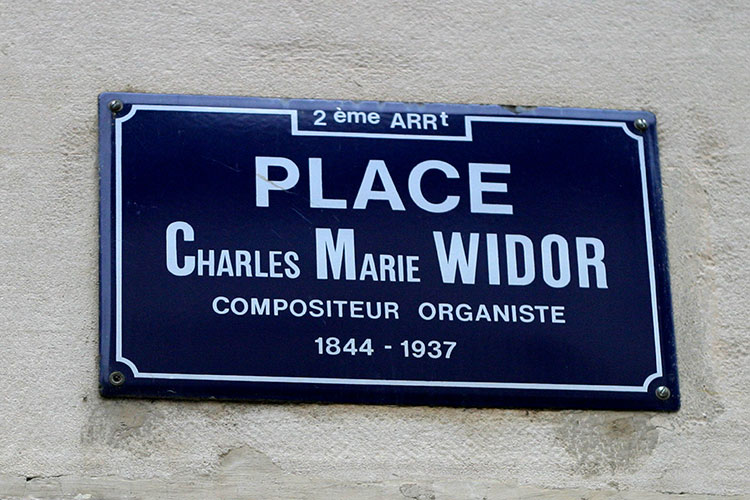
{"x":688,"y":62}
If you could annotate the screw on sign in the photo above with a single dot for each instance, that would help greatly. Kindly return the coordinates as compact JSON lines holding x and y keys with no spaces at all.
{"x":115,"y":106}
{"x":663,"y":392}
{"x":116,"y":378}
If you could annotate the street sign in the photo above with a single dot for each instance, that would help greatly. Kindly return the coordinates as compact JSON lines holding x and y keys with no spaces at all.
{"x":374,"y":252}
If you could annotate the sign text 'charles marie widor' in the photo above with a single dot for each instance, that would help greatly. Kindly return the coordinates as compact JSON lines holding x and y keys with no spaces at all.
{"x":382,"y":253}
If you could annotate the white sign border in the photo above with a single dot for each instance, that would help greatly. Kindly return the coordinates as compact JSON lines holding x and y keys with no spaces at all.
{"x":469,"y":120}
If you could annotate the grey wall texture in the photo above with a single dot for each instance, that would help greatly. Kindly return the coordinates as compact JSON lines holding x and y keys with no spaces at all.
{"x":688,"y":62}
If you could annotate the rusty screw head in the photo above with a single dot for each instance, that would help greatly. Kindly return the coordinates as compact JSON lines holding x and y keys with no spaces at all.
{"x":662,"y":392}
{"x":116,"y":378}
{"x":115,"y":106}
{"x":640,"y":124}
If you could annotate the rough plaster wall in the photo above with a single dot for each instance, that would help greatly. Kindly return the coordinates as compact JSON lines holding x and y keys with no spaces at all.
{"x":686,"y":61}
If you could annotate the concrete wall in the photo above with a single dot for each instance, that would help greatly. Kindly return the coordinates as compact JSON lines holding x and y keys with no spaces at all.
{"x":688,"y":62}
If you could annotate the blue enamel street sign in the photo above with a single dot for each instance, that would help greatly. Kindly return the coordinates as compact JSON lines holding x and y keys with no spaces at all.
{"x":376,"y":252}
